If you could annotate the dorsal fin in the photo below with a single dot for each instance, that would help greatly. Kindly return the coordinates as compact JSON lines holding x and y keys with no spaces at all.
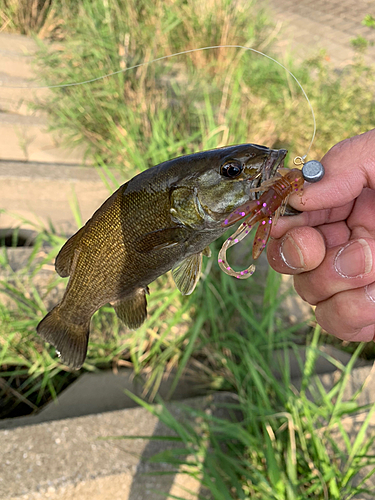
{"x":64,"y":258}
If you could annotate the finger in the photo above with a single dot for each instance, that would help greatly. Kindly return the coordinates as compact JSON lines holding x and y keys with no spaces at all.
{"x":349,"y":315}
{"x":361,"y":220}
{"x":335,"y":234}
{"x":359,"y":215}
{"x":313,"y":219}
{"x":343,"y":268}
{"x":349,"y":167}
{"x":301,"y":249}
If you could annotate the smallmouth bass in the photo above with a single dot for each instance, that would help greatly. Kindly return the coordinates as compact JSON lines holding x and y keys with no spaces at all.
{"x":163,"y":219}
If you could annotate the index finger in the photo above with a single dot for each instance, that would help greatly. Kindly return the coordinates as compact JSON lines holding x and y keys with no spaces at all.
{"x":349,"y":167}
{"x":312,"y":219}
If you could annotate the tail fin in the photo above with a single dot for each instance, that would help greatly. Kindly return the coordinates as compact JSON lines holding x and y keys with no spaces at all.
{"x":69,"y":339}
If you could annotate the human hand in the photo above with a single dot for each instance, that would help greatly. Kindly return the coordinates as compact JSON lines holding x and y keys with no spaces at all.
{"x":330,"y":247}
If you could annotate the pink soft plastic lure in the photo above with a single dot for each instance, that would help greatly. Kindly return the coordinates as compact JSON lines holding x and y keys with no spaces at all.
{"x":266,"y":211}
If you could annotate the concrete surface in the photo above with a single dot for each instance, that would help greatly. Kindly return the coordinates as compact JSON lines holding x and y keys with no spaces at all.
{"x":305,"y":27}
{"x":67,"y":459}
{"x":101,"y":392}
{"x":42,"y":193}
{"x":23,"y":132}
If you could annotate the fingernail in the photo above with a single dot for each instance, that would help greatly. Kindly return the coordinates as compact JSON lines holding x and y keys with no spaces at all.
{"x":291,"y":254}
{"x":370,"y":291}
{"x":354,"y":260}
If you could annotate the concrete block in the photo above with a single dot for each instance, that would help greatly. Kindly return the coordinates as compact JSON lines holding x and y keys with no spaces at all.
{"x":25,"y":138}
{"x":68,"y":459}
{"x":42,"y":193}
{"x":16,"y":53}
{"x":104,"y":391}
{"x":16,"y":100}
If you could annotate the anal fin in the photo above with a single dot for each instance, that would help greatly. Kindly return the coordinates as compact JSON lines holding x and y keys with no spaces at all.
{"x":187,"y":274}
{"x":132,"y":310}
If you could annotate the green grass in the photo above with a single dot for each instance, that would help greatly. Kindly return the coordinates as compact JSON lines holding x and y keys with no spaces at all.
{"x":136,"y":119}
{"x":276,"y":442}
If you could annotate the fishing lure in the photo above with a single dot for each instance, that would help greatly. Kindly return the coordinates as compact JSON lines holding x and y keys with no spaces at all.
{"x":265,"y":211}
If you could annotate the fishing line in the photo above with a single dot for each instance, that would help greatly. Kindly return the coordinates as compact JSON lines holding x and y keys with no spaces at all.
{"x":190,"y":51}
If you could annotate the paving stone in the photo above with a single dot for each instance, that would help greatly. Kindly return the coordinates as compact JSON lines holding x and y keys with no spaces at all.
{"x":331,"y":25}
{"x":16,"y":100}
{"x":26,"y":138}
{"x":16,"y":53}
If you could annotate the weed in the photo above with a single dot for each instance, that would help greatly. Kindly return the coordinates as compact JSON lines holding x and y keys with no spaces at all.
{"x":276,"y":442}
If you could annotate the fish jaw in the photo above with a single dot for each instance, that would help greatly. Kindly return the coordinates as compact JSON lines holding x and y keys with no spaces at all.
{"x":273,"y":163}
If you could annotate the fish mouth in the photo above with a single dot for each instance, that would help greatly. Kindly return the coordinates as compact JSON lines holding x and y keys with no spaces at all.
{"x":274,"y":161}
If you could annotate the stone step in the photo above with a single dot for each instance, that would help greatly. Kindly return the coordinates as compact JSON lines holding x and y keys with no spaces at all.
{"x":16,"y":55}
{"x":42,"y":192}
{"x":16,"y":99}
{"x":69,"y":459}
{"x":26,"y":138}
{"x":23,"y":131}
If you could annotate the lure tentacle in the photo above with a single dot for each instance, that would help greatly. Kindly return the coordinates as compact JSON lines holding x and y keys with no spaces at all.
{"x":266,"y":211}
{"x":238,"y":236}
{"x":261,"y":236}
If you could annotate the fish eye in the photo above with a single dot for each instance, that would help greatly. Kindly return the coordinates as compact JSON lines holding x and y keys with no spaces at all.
{"x":231,"y":169}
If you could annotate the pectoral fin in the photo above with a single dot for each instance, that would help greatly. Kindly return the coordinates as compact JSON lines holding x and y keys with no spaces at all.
{"x":207,"y":252}
{"x":162,"y":238}
{"x":64,"y":259}
{"x":187,"y":274}
{"x":132,"y":310}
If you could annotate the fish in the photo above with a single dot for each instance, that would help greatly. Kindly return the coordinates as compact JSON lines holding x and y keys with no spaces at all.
{"x":162,"y":219}
{"x":266,"y":211}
